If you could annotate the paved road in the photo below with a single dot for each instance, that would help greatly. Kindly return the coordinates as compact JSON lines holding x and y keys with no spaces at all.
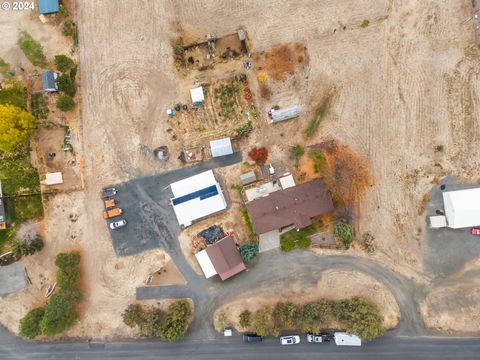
{"x":400,"y":348}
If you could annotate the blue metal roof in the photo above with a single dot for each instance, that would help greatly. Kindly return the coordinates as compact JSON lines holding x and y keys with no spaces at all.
{"x":47,"y":6}
{"x":48,"y":81}
{"x":202,"y":194}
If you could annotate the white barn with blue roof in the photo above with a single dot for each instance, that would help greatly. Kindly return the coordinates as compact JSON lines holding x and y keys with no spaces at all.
{"x":197,"y":197}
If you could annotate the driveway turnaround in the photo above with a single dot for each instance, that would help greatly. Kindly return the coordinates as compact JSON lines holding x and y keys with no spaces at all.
{"x":151,"y":222}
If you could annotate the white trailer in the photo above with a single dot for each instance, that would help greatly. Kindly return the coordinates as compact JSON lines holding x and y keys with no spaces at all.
{"x":344,"y":339}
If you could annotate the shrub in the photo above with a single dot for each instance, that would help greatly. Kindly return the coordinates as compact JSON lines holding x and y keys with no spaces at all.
{"x":30,"y":323}
{"x":174,"y":325}
{"x":365,"y":23}
{"x":60,"y":312}
{"x":27,"y":248}
{"x":248,"y":223}
{"x":66,"y":84}
{"x":62,"y":11}
{"x":16,"y":127}
{"x":262,"y":321}
{"x":63,"y":63}
{"x":344,"y":232}
{"x":259,"y":155}
{"x":286,"y":315}
{"x":133,"y":315}
{"x":67,"y":260}
{"x":32,"y":49}
{"x":68,"y":28}
{"x":319,"y":160}
{"x":68,"y":278}
{"x":244,"y":129}
{"x":314,"y":315}
{"x":298,"y":152}
{"x":245,"y":318}
{"x":151,"y":323}
{"x":287,"y":244}
{"x":249,"y":251}
{"x":65,"y":103}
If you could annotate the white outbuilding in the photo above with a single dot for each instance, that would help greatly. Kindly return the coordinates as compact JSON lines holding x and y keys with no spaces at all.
{"x":197,"y":197}
{"x":221,"y":147}
{"x":197,"y":96}
{"x":462,"y":208}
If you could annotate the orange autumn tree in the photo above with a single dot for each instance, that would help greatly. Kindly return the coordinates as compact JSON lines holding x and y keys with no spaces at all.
{"x":259,"y":155}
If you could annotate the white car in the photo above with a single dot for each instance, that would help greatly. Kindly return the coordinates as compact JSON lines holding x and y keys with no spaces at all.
{"x":290,"y":340}
{"x":118,"y":224}
{"x":311,"y":338}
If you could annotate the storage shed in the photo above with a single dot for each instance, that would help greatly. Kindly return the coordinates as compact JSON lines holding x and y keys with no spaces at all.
{"x":285,"y":114}
{"x":197,"y":96}
{"x":462,"y":208}
{"x":49,"y":81}
{"x":248,"y":178}
{"x":48,"y":6}
{"x":221,"y":147}
{"x":53,"y":178}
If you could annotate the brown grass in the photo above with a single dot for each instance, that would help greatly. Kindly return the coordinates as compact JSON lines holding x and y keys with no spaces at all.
{"x":423,"y":205}
{"x":284,"y":59}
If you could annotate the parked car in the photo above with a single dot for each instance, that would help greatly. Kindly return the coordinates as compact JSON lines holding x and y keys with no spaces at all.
{"x":107,"y":214}
{"x":290,"y":340}
{"x":109,"y":192}
{"x":118,"y":224}
{"x":476,"y":231}
{"x":248,"y":338}
{"x":312,"y":338}
{"x":326,"y":337}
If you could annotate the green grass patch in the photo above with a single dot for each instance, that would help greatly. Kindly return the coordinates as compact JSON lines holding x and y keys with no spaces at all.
{"x":4,"y":67}
{"x":293,"y":238}
{"x":319,"y":160}
{"x":32,"y":49}
{"x":40,"y":106}
{"x":19,"y":178}
{"x":320,"y":112}
{"x":248,"y":223}
{"x":14,"y":93}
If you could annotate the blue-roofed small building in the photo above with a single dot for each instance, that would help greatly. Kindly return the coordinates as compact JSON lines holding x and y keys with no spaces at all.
{"x":49,"y":81}
{"x":197,"y":197}
{"x":47,"y":6}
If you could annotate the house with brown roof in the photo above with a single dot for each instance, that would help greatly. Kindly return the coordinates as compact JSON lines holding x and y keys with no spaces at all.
{"x":294,"y":206}
{"x":222,"y":258}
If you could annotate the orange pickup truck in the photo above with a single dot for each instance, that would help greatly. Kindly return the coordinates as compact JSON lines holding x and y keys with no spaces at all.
{"x":109,"y":203}
{"x":107,"y":214}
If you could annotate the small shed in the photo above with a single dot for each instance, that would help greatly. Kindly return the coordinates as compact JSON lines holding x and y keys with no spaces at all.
{"x":47,"y":6}
{"x":285,"y":114}
{"x":248,"y":178}
{"x":53,"y":178}
{"x":221,"y":147}
{"x":49,"y":81}
{"x":197,"y":96}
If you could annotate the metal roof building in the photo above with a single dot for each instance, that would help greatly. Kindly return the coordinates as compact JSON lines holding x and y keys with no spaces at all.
{"x":285,"y":114}
{"x":222,"y":258}
{"x":248,"y":178}
{"x":221,"y":147}
{"x":47,"y":6}
{"x":197,"y":197}
{"x":49,"y":81}
{"x":462,"y":208}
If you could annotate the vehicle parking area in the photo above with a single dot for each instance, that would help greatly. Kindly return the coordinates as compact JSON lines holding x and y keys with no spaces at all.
{"x":145,"y":204}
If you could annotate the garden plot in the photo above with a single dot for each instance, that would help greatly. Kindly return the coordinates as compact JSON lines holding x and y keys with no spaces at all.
{"x":225,"y":109}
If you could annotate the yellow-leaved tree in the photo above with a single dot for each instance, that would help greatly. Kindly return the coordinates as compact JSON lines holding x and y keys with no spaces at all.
{"x":16,"y":126}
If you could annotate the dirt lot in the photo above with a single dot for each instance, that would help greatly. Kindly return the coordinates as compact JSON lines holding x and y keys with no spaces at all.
{"x":331,"y":285}
{"x":406,"y":83}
